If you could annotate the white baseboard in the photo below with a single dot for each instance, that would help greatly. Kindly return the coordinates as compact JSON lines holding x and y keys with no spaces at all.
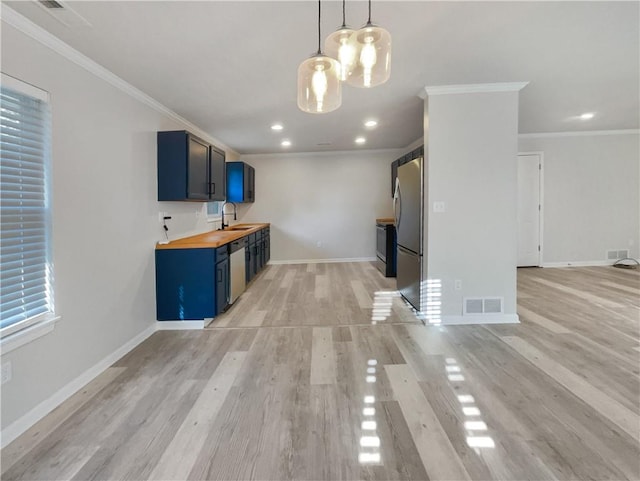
{"x":477,"y":319}
{"x":23,"y":423}
{"x":578,"y":263}
{"x":324,"y":261}
{"x":180,"y":325}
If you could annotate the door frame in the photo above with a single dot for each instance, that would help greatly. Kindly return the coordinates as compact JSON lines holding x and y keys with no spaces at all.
{"x":540,"y":154}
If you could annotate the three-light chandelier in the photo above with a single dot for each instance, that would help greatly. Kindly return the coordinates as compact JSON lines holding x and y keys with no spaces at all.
{"x":361,"y":58}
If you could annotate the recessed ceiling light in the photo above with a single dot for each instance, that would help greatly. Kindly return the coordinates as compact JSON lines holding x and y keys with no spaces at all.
{"x":360,"y":140}
{"x":286,"y":143}
{"x":587,"y":116}
{"x":371,"y":123}
{"x":277,"y":127}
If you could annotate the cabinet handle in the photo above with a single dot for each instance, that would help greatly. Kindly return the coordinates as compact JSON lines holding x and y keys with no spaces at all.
{"x":214,"y":187}
{"x":219,"y":275}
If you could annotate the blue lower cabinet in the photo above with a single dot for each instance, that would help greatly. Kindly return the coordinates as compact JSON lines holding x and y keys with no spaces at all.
{"x":258,"y":252}
{"x":187,"y":284}
{"x":254,"y":259}
{"x":223,"y":292}
{"x":247,"y":264}
{"x":267,"y":248}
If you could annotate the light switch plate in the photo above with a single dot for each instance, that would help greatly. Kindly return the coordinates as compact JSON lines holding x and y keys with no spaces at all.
{"x":438,"y":206}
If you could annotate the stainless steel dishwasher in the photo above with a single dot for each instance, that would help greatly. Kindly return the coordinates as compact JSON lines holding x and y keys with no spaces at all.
{"x":238,"y":279}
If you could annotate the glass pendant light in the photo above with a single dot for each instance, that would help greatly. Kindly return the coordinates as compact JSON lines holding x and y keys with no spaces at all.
{"x":337,"y":46}
{"x":372,"y":65}
{"x":319,"y":86}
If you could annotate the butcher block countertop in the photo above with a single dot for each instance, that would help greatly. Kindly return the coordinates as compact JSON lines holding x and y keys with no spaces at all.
{"x":214,"y":238}
{"x":386,"y":220}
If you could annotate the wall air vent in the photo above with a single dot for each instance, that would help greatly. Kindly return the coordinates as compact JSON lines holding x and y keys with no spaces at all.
{"x":51,"y":4}
{"x":617,"y":255}
{"x":63,"y":13}
{"x":482,"y":305}
{"x":473,"y":306}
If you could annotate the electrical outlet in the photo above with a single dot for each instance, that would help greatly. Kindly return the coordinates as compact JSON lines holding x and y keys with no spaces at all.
{"x":319,"y":244}
{"x":6,"y":372}
{"x":458,"y":285}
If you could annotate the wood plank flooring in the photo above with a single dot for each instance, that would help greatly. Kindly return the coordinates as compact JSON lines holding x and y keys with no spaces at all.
{"x":321,"y":372}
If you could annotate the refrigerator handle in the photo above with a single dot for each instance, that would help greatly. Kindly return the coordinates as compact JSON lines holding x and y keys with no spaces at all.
{"x":397,"y":204}
{"x":404,"y":250}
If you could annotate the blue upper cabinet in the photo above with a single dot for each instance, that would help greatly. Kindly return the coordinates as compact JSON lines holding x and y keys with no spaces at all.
{"x":240,"y":182}
{"x":218,"y":174}
{"x":189,"y":168}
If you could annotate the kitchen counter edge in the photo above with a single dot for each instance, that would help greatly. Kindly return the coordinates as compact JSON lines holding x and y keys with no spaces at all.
{"x":214,"y":238}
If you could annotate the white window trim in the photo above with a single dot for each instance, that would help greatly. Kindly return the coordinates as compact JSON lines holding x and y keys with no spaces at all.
{"x":44,"y":325}
{"x":25,"y":88}
{"x":21,"y":333}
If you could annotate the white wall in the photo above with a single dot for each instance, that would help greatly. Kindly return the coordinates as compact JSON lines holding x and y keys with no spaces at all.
{"x":591,"y":195}
{"x":471,"y":147}
{"x":327,"y":198}
{"x":105,"y":222}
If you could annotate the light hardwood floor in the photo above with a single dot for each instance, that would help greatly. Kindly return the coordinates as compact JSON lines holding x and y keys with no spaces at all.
{"x":321,"y":372}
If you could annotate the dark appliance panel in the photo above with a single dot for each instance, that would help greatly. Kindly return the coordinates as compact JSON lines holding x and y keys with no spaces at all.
{"x":386,"y":249}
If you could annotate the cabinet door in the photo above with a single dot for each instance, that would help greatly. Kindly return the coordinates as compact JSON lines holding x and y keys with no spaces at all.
{"x":247,"y":264}
{"x":267,"y":248}
{"x":218,"y":175}
{"x":185,"y":284}
{"x":252,"y":172}
{"x":197,"y":169}
{"x":249,"y":183}
{"x":260,"y":255}
{"x":394,"y":175}
{"x":235,"y":181}
{"x":254,"y":259}
{"x":222,"y":286}
{"x":227,"y":282}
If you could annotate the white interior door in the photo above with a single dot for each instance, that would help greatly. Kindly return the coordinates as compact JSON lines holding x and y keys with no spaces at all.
{"x":529,"y":206}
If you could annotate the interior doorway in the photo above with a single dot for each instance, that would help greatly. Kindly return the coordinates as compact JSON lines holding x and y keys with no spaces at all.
{"x":529,"y":209}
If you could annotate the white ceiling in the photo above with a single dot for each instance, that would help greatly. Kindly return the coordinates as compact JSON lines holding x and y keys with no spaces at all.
{"x":230,"y":67}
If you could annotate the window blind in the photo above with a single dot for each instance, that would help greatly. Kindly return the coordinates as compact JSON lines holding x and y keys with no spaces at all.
{"x":25,"y":273}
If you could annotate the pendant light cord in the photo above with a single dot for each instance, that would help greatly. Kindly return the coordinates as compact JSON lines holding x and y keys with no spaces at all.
{"x":344,"y":24}
{"x":319,"y":36}
{"x":369,"y":21}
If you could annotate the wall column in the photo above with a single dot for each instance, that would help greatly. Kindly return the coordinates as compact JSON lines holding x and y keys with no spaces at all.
{"x":470,"y":236}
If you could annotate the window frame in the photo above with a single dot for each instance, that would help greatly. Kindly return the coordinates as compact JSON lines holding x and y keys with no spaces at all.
{"x":27,"y":330}
{"x":214,"y":216}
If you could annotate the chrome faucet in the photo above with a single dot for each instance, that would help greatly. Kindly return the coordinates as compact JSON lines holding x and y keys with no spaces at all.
{"x":235,"y":214}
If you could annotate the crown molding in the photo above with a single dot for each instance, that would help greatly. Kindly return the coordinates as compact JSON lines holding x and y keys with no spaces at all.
{"x":322,"y":153}
{"x":580,"y":133}
{"x":429,"y":91}
{"x":26,"y":26}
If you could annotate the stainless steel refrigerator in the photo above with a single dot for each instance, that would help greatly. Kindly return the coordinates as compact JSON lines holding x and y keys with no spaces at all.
{"x":407,"y":203}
